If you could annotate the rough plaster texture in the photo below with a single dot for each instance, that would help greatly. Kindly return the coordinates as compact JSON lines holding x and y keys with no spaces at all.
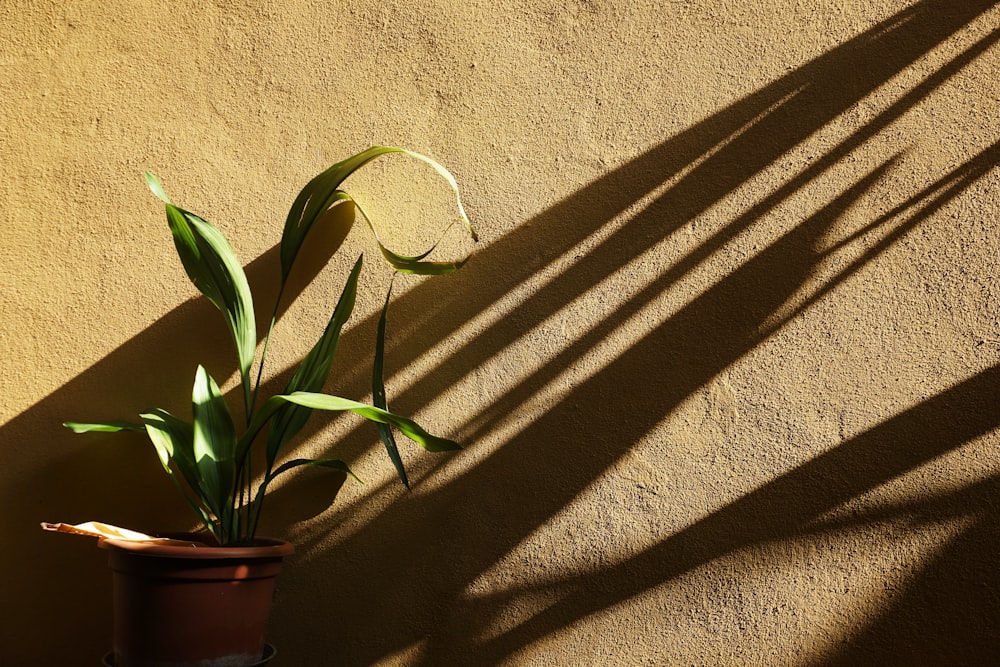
{"x":726,"y":361}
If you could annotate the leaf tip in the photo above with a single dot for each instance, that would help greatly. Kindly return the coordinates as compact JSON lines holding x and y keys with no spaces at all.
{"x":154,"y":185}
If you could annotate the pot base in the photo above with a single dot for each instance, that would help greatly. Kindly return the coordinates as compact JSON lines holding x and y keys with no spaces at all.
{"x":269,"y":652}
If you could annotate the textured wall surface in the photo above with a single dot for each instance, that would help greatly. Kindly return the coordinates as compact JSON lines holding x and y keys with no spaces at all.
{"x":725,"y":363}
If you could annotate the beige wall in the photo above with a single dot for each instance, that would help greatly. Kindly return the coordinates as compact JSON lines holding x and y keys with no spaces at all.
{"x":725,"y":363}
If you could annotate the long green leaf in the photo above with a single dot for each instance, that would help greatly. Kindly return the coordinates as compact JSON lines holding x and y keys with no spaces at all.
{"x":214,"y":444}
{"x":174,"y":441}
{"x":322,"y":463}
{"x":313,"y":201}
{"x":407,"y":427}
{"x":378,"y":394}
{"x":171,"y":439}
{"x":258,"y":502}
{"x":312,"y":373}
{"x":103,"y":427}
{"x":213,"y":267}
{"x":319,"y":401}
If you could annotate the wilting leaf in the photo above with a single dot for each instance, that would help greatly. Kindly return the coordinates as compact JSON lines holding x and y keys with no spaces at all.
{"x":323,"y":191}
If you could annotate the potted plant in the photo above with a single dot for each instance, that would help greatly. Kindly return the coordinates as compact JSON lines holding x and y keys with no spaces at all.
{"x":223,"y":471}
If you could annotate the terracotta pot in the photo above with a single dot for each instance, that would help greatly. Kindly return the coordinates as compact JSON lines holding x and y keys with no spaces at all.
{"x":185,"y":606}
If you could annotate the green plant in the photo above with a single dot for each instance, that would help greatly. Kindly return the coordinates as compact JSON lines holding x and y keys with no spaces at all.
{"x":209,"y":460}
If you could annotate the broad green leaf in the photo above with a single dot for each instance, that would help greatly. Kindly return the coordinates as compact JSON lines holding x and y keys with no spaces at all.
{"x":215,"y":270}
{"x":214,"y":444}
{"x":227,"y":276}
{"x":173,"y":440}
{"x":378,"y":394}
{"x":168,"y":435}
{"x":103,"y":427}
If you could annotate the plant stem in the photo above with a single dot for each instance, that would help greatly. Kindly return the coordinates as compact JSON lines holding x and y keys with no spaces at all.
{"x":244,"y":474}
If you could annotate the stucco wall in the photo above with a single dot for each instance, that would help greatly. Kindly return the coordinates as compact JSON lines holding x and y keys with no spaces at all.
{"x":725,"y":362}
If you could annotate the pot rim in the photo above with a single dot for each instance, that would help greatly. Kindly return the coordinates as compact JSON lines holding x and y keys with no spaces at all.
{"x":263,"y":547}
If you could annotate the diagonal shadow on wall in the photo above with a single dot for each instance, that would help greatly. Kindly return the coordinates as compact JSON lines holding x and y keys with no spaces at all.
{"x":949,"y":613}
{"x":568,"y":460}
{"x":788,"y":507}
{"x":540,"y":470}
{"x":961,"y":627}
{"x":716,"y":156}
{"x":754,"y":132}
